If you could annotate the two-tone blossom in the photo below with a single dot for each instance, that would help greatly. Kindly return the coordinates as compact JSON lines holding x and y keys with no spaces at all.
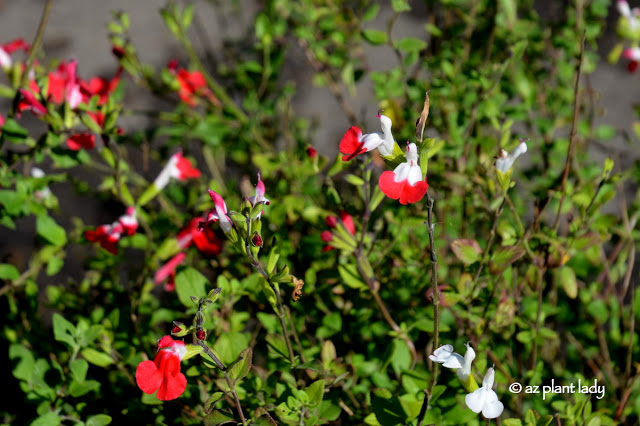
{"x":485,"y":399}
{"x":219,"y":212}
{"x":109,"y":235}
{"x":405,"y":183}
{"x":178,"y":167}
{"x":631,"y":16}
{"x":259,"y":195}
{"x":7,"y":49}
{"x":168,"y":270}
{"x":163,"y":373}
{"x":633,"y":55}
{"x":505,"y":160}
{"x":354,"y":142}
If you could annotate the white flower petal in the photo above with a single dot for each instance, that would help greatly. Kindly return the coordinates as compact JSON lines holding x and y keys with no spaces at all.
{"x":492,"y":407}
{"x":372,"y":141}
{"x":442,"y":353}
{"x":454,"y":361}
{"x":487,"y":382}
{"x":475,"y":400}
{"x":386,"y":148}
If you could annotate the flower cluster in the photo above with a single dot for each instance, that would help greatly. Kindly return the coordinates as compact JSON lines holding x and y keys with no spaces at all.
{"x":406,"y":183}
{"x":109,"y":235}
{"x":64,"y":86}
{"x":479,"y":399}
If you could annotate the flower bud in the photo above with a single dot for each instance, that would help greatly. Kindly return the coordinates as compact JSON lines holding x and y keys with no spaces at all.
{"x":179,"y":329}
{"x":256,"y":240}
{"x":311,"y":152}
{"x":201,"y":334}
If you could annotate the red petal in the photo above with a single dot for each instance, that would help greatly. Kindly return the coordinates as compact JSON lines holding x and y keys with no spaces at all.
{"x":401,"y":191}
{"x":350,"y":143}
{"x":347,"y":220}
{"x":78,"y":141}
{"x":186,"y":169}
{"x":148,"y":377}
{"x":174,"y":383}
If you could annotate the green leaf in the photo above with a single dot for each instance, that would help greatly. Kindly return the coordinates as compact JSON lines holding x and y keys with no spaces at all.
{"x":8,"y":272}
{"x":375,"y":36}
{"x":400,"y":5}
{"x":351,"y":277}
{"x":64,"y":331}
{"x":95,"y":357}
{"x":503,"y":257}
{"x":242,"y":367}
{"x":78,"y":389}
{"x":216,"y":417}
{"x":411,"y":44}
{"x":274,"y":255}
{"x":371,"y":13}
{"x":605,"y":132}
{"x":468,"y":251}
{"x":544,"y":420}
{"x":212,"y":400}
{"x":190,"y":282}
{"x":12,"y":201}
{"x":99,"y":420}
{"x":387,"y":408}
{"x":13,"y":131}
{"x":49,"y":419}
{"x":79,"y":369}
{"x":48,"y":229}
{"x":568,"y":281}
{"x":315,"y":391}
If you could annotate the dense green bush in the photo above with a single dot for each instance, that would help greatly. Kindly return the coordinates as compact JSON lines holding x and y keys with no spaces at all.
{"x":321,"y":296}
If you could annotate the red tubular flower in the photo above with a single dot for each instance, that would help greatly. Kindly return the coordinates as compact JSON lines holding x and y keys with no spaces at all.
{"x":64,"y":85}
{"x":168,"y":270}
{"x":163,"y":373}
{"x":100,"y":86}
{"x":405,"y":183}
{"x":177,"y":167}
{"x":192,"y":85}
{"x":106,"y":235}
{"x":204,"y":238}
{"x":77,"y":141}
{"x":30,"y":102}
{"x":7,"y":49}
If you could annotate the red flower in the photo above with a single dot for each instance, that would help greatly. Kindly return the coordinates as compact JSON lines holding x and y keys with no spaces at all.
{"x":405,"y":183}
{"x":354,"y":143}
{"x":192,"y":85}
{"x":7,"y":49}
{"x":77,"y":141}
{"x":64,"y":85}
{"x":30,"y":102}
{"x":107,"y":236}
{"x":163,"y":373}
{"x":177,"y":167}
{"x":168,"y":270}
{"x":100,"y":86}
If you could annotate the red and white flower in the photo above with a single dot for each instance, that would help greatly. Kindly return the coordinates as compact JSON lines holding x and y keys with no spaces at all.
{"x":485,"y":399}
{"x":259,"y":196}
{"x":177,"y":167}
{"x":163,"y":373}
{"x":354,"y":143}
{"x":129,"y":221}
{"x":219,"y":212}
{"x":405,"y":183}
{"x":631,"y":15}
{"x":7,"y":49}
{"x":64,"y":85}
{"x":109,"y":235}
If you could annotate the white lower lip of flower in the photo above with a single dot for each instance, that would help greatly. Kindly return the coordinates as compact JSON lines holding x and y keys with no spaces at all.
{"x":5,"y":59}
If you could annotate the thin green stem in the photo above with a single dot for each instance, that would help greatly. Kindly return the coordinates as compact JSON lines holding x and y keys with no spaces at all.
{"x":436,"y":308}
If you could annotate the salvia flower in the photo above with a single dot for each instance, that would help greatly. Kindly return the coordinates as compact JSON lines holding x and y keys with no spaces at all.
{"x":7,"y":49}
{"x":219,"y":212}
{"x":485,"y":399}
{"x":191,"y":85}
{"x":444,"y":355}
{"x":177,"y":167}
{"x":109,"y":235}
{"x":168,"y":270}
{"x":450,"y":359}
{"x":405,"y":183}
{"x":78,"y":141}
{"x":163,"y":373}
{"x":259,"y":196}
{"x":505,"y":160}
{"x":354,"y":143}
{"x":205,"y":239}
